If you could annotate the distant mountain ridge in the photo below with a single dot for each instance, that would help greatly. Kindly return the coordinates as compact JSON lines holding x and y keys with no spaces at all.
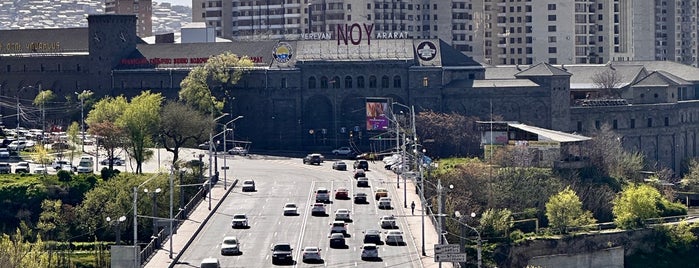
{"x":38,"y":14}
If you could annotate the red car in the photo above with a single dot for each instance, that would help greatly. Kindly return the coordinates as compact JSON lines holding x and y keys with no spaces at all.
{"x":341,"y":193}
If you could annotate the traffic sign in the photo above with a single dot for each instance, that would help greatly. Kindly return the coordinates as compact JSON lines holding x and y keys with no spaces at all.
{"x":448,"y":248}
{"x":224,"y":167}
{"x":450,"y":257}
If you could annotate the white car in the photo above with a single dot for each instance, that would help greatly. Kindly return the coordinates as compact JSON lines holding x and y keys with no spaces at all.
{"x":387,"y":222}
{"x":86,"y":165}
{"x":58,"y":164}
{"x":370,"y":251}
{"x":238,"y":150}
{"x":338,"y":227}
{"x":4,"y":153}
{"x":394,"y":237}
{"x":230,"y":245}
{"x":40,"y":170}
{"x":342,"y":151}
{"x":290,"y":209}
{"x":248,"y":186}
{"x":342,"y":214}
{"x":385,"y":203}
{"x":239,"y":221}
{"x":311,"y":254}
{"x":17,"y":145}
{"x":318,"y":209}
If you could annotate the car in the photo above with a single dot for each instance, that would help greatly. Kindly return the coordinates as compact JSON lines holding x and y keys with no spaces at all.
{"x":17,"y":145}
{"x":116,"y":161}
{"x":380,"y":192}
{"x":360,"y":198}
{"x":358,"y":173}
{"x":248,"y":186}
{"x":337,"y":240}
{"x":205,"y":146}
{"x":238,"y":150}
{"x":60,"y":146}
{"x":362,"y":182}
{"x":230,"y":245}
{"x":394,"y":237}
{"x":22,"y":167}
{"x":282,"y":252}
{"x":239,"y":221}
{"x":388,"y":222}
{"x":322,"y":195}
{"x":342,"y":151}
{"x":361,"y":164}
{"x":339,"y":165}
{"x":58,"y":164}
{"x":342,"y":214}
{"x":210,"y":263}
{"x":338,"y":227}
{"x":4,"y":153}
{"x":318,"y":209}
{"x":370,"y":251}
{"x":68,"y":168}
{"x":341,"y":193}
{"x":312,"y":159}
{"x":372,"y":236}
{"x":311,"y":254}
{"x":384,"y":203}
{"x":290,"y":209}
{"x":40,"y":170}
{"x":86,"y":165}
{"x":5,"y":168}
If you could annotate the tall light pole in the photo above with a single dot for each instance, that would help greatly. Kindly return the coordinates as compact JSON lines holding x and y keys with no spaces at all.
{"x":225,"y":151}
{"x":117,"y":222}
{"x":18,"y":107}
{"x":155,"y":208}
{"x":480,"y":241}
{"x":211,"y":143}
{"x":82,"y":95}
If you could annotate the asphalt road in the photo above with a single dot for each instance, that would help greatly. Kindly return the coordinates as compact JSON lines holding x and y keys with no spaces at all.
{"x":281,"y":180}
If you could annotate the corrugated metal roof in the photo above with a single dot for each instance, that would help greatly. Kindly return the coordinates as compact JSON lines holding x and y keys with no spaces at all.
{"x":548,"y":134}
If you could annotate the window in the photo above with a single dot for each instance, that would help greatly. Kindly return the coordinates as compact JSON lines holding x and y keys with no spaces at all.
{"x":384,"y":81}
{"x":649,"y":122}
{"x":348,"y":81}
{"x":552,"y":39}
{"x":632,"y":124}
{"x":597,"y":124}
{"x":323,"y":82}
{"x":614,"y":124}
{"x":552,"y":17}
{"x":552,"y":28}
{"x":552,"y":6}
{"x":580,"y":129}
{"x":311,"y":82}
{"x":360,"y":82}
{"x":283,"y":84}
{"x":667,"y":121}
{"x":552,"y":49}
{"x":372,"y":81}
{"x":396,"y":81}
{"x":335,"y":82}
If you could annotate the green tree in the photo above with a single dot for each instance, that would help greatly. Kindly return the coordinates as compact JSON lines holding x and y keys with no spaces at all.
{"x":73,"y":133}
{"x":564,"y":210}
{"x":52,"y":224}
{"x":496,"y":222}
{"x":181,"y":124}
{"x":102,"y":123}
{"x":690,"y":181}
{"x":140,"y":121}
{"x":110,"y":137}
{"x":41,"y":100}
{"x":225,"y":70}
{"x":41,"y":155}
{"x":635,"y":204}
{"x":16,"y":251}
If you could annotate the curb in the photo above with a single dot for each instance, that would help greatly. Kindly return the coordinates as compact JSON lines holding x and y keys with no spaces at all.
{"x":176,"y":260}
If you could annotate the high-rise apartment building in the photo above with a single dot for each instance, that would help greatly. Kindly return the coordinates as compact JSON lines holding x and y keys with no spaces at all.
{"x":492,"y":31}
{"x":141,"y":8}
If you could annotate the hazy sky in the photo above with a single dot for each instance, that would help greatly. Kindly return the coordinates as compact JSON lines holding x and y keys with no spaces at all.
{"x":176,"y":2}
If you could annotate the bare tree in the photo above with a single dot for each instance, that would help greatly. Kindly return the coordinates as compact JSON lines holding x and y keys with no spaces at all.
{"x":608,"y":82}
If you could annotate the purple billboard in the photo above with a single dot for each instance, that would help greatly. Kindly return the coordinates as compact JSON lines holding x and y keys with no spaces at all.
{"x":376,"y":113}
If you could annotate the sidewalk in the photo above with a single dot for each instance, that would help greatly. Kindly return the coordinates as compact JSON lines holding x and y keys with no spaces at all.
{"x":414,"y":222}
{"x":181,"y":240}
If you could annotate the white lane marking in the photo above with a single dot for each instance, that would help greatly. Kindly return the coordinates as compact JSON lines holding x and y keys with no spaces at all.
{"x":303,"y":224}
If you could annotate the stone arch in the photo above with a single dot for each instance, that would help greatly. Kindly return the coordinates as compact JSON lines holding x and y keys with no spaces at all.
{"x":317,"y":114}
{"x":352,"y":112}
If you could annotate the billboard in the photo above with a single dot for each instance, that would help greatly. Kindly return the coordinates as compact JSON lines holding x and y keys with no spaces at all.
{"x":377,"y":113}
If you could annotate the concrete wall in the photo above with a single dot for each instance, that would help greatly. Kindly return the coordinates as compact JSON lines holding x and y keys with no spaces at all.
{"x":606,"y":258}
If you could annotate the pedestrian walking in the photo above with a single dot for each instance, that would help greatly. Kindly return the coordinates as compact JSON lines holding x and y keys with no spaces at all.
{"x":412,"y":207}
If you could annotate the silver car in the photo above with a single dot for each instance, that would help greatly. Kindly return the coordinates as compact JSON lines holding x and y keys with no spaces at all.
{"x":230,"y":245}
{"x":394,"y":237}
{"x":290,"y":209}
{"x":311,"y":254}
{"x":239,"y":221}
{"x":370,"y":251}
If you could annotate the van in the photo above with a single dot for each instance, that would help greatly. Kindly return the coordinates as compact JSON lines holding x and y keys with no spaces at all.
{"x":210,"y":263}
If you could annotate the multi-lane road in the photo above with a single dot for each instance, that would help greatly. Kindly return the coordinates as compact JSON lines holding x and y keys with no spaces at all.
{"x":281,"y":180}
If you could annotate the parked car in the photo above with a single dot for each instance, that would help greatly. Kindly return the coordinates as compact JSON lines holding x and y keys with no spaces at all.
{"x":290,"y":209}
{"x":360,"y":198}
{"x":311,"y":254}
{"x":337,"y":240}
{"x":230,"y":245}
{"x":361,"y":164}
{"x":17,"y":145}
{"x":282,"y":252}
{"x":4,"y":153}
{"x":318,"y":209}
{"x":342,"y":151}
{"x":58,"y":164}
{"x":238,"y":150}
{"x":312,"y":159}
{"x":22,"y":167}
{"x":248,"y":186}
{"x":370,"y":251}
{"x":40,"y":170}
{"x":86,"y":165}
{"x":60,"y":146}
{"x":239,"y":221}
{"x":5,"y":168}
{"x":394,"y":237}
{"x":339,"y":165}
{"x":116,"y":161}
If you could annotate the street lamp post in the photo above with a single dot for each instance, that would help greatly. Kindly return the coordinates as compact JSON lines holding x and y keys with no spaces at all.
{"x":211,"y":142}
{"x":422,"y":200}
{"x":225,"y":129}
{"x":18,"y":107}
{"x":463,"y":235}
{"x":82,"y":95}
{"x":155,"y":208}
{"x":117,"y":222}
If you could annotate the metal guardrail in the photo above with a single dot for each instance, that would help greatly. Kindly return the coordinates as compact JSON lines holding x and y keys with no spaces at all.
{"x":155,"y":243}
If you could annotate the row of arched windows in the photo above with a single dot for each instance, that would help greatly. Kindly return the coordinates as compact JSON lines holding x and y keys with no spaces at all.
{"x":335,"y":82}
